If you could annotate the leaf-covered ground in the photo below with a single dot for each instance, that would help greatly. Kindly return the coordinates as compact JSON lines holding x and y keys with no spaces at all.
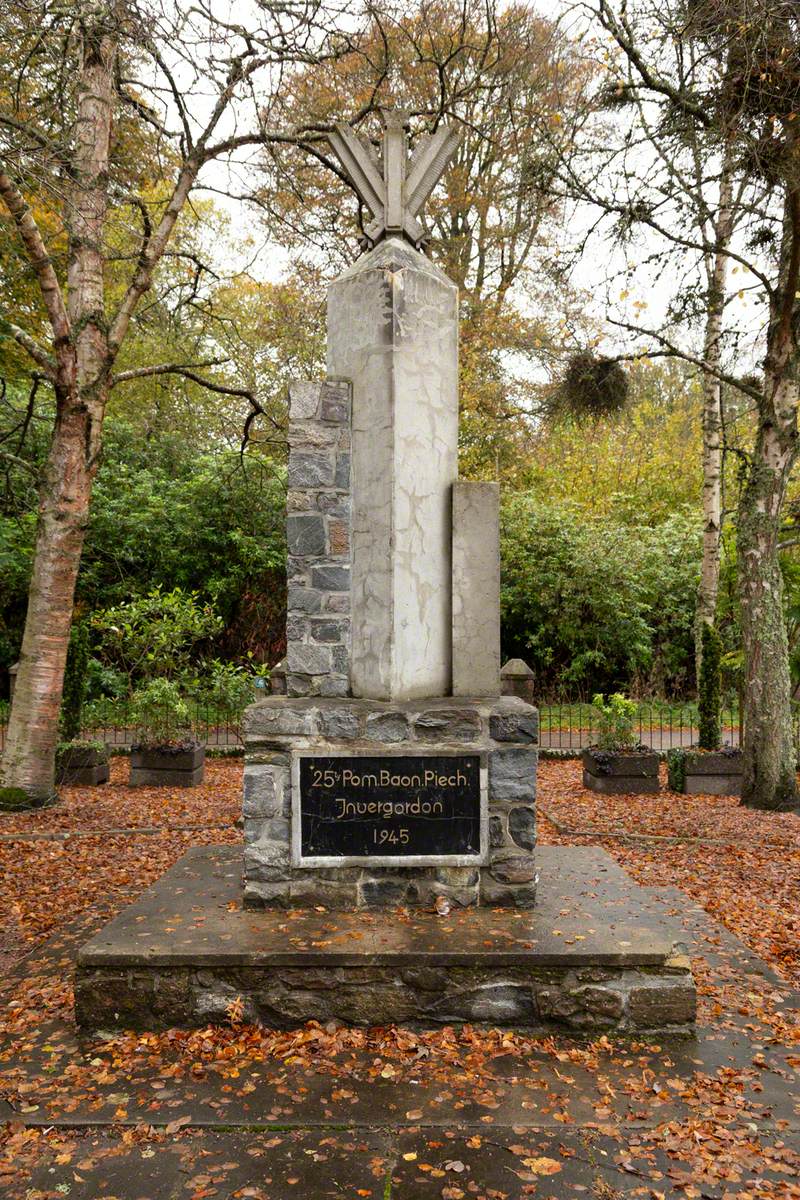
{"x":394,"y":1114}
{"x":741,"y":865}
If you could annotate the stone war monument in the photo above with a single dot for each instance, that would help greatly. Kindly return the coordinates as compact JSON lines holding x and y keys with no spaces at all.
{"x":392,"y":771}
{"x":389,"y":791}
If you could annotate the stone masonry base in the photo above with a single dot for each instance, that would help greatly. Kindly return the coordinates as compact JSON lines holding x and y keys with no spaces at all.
{"x":504,"y":731}
{"x":597,"y":953}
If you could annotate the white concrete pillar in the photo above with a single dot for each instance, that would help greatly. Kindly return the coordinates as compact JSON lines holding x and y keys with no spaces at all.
{"x":476,"y":589}
{"x":393,"y":333}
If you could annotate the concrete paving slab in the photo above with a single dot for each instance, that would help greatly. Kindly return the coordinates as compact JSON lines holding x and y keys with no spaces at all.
{"x":588,"y":911}
{"x":261,"y":1165}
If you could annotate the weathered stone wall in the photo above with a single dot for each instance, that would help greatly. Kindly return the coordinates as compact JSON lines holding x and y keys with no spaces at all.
{"x":504,"y":729}
{"x":544,"y":998}
{"x":318,"y":540}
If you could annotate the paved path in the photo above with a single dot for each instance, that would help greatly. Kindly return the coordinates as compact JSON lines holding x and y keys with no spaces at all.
{"x":424,"y":1121}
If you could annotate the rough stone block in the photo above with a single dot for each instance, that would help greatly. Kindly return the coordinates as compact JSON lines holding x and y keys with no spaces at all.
{"x":507,"y":895}
{"x":388,"y":727}
{"x":329,"y":629}
{"x":497,"y":831}
{"x":302,"y":599}
{"x":339,"y":537}
{"x":334,"y":686}
{"x":296,"y":627}
{"x":305,"y":535}
{"x":298,"y":502}
{"x":340,"y":659}
{"x":448,"y":725}
{"x":519,"y":869}
{"x":333,"y":504}
{"x":305,"y":658}
{"x":264,"y":791}
{"x":655,"y":1002}
{"x":304,"y":399}
{"x":345,"y":723}
{"x":514,"y":726}
{"x":333,"y":578}
{"x":309,"y":470}
{"x":335,"y":404}
{"x":374,"y":893}
{"x":266,"y":895}
{"x":268,"y":718}
{"x":297,"y":571}
{"x":342,"y":476}
{"x":263,"y":861}
{"x":307,"y":890}
{"x":522,"y":826}
{"x":512,"y":775}
{"x":457,"y":877}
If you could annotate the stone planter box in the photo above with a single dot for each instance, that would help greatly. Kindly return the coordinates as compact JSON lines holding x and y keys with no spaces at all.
{"x":83,"y":766}
{"x":618,"y":772}
{"x":712,"y":773}
{"x":162,"y":767}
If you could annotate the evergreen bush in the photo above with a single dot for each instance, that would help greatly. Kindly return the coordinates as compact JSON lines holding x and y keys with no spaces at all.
{"x":74,"y":692}
{"x":709,"y":687}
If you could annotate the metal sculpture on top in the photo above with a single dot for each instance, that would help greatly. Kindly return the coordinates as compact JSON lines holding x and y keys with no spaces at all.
{"x":393,"y":186}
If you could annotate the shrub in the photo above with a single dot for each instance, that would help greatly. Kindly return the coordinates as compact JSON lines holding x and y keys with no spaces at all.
{"x":708,"y":700}
{"x":65,"y":749}
{"x":676,"y":769}
{"x":159,"y":714}
{"x":74,"y":692}
{"x":614,"y":722}
{"x":598,"y":605}
{"x":154,"y":635}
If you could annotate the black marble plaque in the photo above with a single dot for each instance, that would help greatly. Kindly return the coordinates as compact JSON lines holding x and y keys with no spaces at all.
{"x":396,"y":807}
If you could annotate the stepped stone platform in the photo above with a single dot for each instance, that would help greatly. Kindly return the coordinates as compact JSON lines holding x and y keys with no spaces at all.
{"x":597,"y":953}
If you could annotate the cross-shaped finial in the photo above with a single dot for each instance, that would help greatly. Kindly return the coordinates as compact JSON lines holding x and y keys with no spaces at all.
{"x":395,"y":188}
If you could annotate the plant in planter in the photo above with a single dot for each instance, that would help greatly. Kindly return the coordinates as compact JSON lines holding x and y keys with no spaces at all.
{"x":617,"y":763}
{"x":83,"y":763}
{"x":166,"y":753}
{"x":708,"y":768}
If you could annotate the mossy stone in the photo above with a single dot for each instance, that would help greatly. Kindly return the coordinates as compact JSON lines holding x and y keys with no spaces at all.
{"x":12,"y":799}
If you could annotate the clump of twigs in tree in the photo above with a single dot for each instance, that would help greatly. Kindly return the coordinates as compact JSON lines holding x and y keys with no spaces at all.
{"x":592,"y":386}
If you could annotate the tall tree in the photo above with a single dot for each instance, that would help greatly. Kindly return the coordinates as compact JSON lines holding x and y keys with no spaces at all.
{"x":494,"y":223}
{"x":695,"y":170}
{"x":199,"y":89}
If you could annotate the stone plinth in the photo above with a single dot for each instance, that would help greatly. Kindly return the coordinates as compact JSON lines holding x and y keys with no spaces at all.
{"x":502,"y":732}
{"x":476,"y":589}
{"x":598,"y":953}
{"x":393,"y":333}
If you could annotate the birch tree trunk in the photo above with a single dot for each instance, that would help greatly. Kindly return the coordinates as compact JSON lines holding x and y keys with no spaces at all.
{"x":708,"y":586}
{"x":81,"y":387}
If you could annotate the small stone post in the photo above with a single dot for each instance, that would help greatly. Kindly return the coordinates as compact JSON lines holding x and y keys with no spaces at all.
{"x":517,"y":680}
